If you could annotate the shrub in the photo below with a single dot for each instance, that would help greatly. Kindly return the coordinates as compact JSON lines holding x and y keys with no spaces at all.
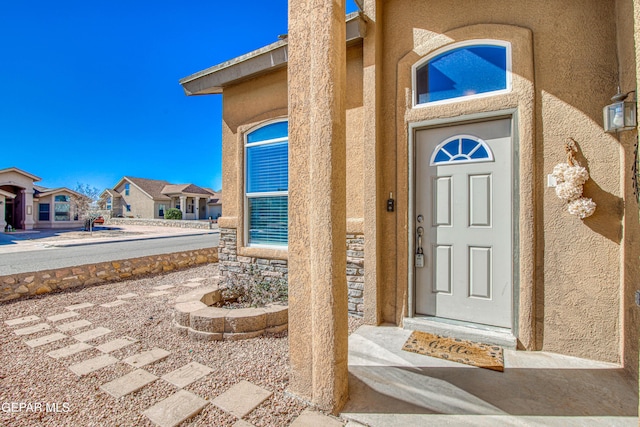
{"x":255,"y":290}
{"x":173,"y":213}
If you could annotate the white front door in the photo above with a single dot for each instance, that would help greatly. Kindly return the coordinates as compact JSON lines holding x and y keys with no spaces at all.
{"x":464,"y":206}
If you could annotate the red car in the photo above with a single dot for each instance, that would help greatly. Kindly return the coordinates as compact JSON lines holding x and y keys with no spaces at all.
{"x":98,"y":220}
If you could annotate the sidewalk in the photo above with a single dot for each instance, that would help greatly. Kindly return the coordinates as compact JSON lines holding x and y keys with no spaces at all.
{"x":20,"y":241}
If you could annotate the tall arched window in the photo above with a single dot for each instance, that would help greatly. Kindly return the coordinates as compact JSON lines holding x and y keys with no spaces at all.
{"x":473,"y":68}
{"x":267,"y":185}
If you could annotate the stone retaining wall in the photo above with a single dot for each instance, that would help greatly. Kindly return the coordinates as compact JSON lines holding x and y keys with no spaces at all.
{"x":249,"y":268}
{"x":179,"y":223}
{"x":28,"y":284}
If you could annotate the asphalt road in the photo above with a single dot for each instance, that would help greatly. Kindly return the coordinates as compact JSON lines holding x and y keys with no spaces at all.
{"x":68,"y":256}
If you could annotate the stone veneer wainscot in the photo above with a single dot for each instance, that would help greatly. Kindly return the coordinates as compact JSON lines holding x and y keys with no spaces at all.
{"x":272,"y":269}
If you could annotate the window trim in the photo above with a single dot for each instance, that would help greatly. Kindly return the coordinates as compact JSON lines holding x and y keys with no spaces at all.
{"x":246,"y":196}
{"x":454,"y":46}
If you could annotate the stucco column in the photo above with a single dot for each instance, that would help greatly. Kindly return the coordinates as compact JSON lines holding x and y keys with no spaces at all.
{"x":183,"y":206}
{"x":317,"y":202}
{"x":197,"y":208}
{"x":27,"y":203}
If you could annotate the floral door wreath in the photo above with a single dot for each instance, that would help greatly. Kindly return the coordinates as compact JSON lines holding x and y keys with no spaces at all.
{"x":570,"y":178}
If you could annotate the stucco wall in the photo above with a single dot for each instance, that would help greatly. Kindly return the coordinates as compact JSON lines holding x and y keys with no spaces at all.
{"x":52,"y":223}
{"x":142,"y":206}
{"x":574,"y":267}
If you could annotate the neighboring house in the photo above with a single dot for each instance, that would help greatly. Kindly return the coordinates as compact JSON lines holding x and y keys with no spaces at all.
{"x":150,"y":198}
{"x":430,"y":158}
{"x":25,"y":205}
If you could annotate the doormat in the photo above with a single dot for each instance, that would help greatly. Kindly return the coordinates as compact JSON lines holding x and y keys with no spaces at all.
{"x":456,"y":350}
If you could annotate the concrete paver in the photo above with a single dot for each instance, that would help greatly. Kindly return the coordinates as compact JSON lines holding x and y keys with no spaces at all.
{"x":189,"y":373}
{"x":32,"y":329}
{"x":116,"y":344}
{"x":145,"y":358}
{"x":63,"y":316}
{"x":69,"y":350}
{"x":163,"y":287}
{"x":242,"y":423}
{"x":66,"y":327}
{"x":78,"y":306}
{"x":133,"y":381}
{"x":91,"y":365}
{"x":196,"y":279}
{"x":192,"y":284}
{"x":157,"y":294}
{"x":127,"y":295}
{"x":46,"y":340}
{"x":92,"y":334}
{"x":242,"y":398}
{"x":311,"y":418}
{"x":175,"y":409}
{"x":114,"y":303}
{"x":21,"y":320}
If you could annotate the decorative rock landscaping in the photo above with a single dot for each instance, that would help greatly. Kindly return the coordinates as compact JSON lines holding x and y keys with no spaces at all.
{"x":194,"y":316}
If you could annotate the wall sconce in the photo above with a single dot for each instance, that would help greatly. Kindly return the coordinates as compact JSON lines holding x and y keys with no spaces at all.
{"x":621,"y":115}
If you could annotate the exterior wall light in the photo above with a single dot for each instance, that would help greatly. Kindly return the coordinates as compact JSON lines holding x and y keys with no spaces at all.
{"x":621,"y":115}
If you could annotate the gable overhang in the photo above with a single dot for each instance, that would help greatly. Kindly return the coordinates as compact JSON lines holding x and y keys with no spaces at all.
{"x":21,"y":172}
{"x":253,"y":64}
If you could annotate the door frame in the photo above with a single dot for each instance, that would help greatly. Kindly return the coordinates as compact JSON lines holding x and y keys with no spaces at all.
{"x":512,"y":114}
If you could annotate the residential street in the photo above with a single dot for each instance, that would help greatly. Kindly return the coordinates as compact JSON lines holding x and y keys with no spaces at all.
{"x":49,"y":255}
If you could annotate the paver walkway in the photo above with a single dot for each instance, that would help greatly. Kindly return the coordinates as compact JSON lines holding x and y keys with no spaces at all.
{"x":239,"y":401}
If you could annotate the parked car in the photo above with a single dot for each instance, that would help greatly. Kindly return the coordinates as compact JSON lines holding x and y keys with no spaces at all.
{"x":98,"y":220}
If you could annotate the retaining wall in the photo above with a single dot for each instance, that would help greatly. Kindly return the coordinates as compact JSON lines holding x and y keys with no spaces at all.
{"x":179,"y":223}
{"x":24,"y":285}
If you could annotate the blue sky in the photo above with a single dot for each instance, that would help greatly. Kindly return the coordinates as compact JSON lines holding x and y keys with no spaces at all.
{"x":89,"y":91}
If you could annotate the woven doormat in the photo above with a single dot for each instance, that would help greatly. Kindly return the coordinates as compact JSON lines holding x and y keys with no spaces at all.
{"x":456,"y":350}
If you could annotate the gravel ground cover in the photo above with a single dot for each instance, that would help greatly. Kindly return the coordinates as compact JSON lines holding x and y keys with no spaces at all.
{"x":30,"y":376}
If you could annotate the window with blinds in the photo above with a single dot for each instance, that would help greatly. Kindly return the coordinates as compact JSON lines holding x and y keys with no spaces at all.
{"x":267,"y":185}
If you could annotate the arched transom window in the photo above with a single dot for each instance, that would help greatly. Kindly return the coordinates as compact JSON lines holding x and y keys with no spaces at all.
{"x":461,"y":149}
{"x":477,"y":68}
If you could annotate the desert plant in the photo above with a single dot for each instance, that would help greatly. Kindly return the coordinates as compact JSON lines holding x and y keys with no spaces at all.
{"x":173,"y":213}
{"x":253,"y":289}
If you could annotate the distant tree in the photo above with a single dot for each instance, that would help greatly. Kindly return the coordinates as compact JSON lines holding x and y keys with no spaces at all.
{"x":173,"y":213}
{"x":85,"y":204}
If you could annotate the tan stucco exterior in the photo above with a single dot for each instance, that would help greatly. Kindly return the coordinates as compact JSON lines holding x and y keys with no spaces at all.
{"x":575,"y":279}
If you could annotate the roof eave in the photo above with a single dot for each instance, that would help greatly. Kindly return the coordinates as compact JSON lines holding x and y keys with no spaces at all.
{"x":253,"y":64}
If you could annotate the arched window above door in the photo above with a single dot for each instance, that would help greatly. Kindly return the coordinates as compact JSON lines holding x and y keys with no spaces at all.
{"x":469,"y":69}
{"x":461,"y":149}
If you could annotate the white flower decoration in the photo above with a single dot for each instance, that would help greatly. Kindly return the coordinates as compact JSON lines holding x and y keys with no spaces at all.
{"x":570,"y":177}
{"x":567,"y":191}
{"x":559,"y":170}
{"x":582,"y":207}
{"x":576,"y":175}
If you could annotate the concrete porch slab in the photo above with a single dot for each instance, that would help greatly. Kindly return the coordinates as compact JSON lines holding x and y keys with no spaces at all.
{"x":388,"y":386}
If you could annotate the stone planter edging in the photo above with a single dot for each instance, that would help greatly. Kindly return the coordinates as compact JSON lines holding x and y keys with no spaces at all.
{"x":193,"y":316}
